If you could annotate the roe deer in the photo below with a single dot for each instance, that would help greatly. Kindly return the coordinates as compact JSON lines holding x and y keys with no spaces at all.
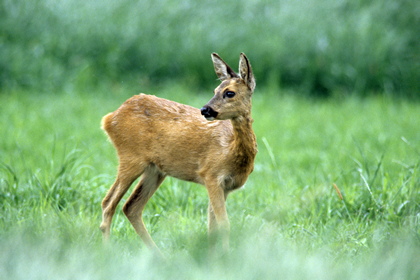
{"x":155,"y":137}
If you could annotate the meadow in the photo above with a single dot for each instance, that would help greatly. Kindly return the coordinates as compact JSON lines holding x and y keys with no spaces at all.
{"x":288,"y":222}
{"x":335,"y":193}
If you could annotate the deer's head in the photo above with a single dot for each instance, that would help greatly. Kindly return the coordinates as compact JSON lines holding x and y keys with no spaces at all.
{"x":232,"y":98}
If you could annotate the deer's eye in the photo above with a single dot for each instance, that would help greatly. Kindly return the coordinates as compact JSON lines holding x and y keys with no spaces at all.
{"x":229,"y":94}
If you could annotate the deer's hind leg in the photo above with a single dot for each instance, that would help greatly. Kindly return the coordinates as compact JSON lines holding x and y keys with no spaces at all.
{"x":127,"y":174}
{"x":133,"y":208}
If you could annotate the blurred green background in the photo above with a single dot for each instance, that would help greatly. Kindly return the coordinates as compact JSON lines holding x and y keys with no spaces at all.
{"x":320,"y":47}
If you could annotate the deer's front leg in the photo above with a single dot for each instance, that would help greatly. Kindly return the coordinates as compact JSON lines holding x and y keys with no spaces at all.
{"x":218,"y":221}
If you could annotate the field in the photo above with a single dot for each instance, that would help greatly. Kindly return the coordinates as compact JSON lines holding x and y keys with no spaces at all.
{"x":335,"y":193}
{"x":288,"y":222}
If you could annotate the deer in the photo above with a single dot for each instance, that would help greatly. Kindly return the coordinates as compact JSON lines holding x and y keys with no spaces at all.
{"x":214,"y":146}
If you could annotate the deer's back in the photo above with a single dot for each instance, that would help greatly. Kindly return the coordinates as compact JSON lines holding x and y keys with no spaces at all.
{"x":173,"y":136}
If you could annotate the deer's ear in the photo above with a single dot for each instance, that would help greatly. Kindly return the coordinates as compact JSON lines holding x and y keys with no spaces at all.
{"x":245,"y":71}
{"x":223,"y":71}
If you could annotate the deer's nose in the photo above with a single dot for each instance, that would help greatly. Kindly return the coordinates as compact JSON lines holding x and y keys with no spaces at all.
{"x":208,"y":113}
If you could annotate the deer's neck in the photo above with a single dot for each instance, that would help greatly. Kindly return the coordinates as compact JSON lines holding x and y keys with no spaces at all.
{"x":244,"y":145}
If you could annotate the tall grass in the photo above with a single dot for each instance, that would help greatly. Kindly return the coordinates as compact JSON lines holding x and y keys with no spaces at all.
{"x":323,"y":47}
{"x":288,"y":221}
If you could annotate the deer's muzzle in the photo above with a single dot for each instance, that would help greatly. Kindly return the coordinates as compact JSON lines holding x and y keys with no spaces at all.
{"x":208,"y":113}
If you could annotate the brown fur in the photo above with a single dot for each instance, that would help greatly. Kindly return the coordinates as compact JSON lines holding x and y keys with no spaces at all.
{"x":155,"y":138}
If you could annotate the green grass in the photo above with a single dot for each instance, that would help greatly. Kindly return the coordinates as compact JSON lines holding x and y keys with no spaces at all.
{"x":288,"y":222}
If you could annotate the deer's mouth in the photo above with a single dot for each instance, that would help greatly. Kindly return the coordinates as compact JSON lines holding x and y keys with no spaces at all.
{"x":208,"y":113}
